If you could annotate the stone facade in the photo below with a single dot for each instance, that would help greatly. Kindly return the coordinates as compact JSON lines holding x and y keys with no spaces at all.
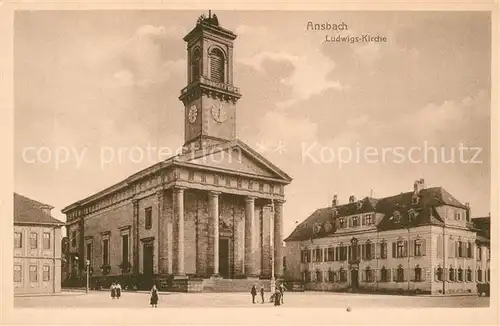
{"x":431,"y":248}
{"x":206,"y":213}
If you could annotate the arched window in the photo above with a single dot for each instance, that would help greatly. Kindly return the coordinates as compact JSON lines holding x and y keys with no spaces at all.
{"x":331,"y":276}
{"x":400,"y":274}
{"x":319,"y":276}
{"x":368,"y":274}
{"x":460,"y":274}
{"x":479,"y":275}
{"x":468,"y":275}
{"x":439,"y":274}
{"x":195,"y":65}
{"x":418,"y":273}
{"x":451,"y":274}
{"x":217,"y":65}
{"x":384,"y":274}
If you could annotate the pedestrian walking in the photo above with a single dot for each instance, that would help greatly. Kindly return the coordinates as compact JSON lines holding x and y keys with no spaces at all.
{"x":113,"y":290}
{"x":154,"y":297}
{"x":282,"y":289}
{"x":262,"y":293}
{"x":118,"y":290}
{"x":253,"y":292}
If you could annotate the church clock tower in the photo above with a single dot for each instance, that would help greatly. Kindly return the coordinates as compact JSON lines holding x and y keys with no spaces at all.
{"x":210,"y":97}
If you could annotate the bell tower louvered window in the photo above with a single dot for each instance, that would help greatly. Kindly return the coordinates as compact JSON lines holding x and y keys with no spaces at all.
{"x":195,"y":65}
{"x":217,"y":65}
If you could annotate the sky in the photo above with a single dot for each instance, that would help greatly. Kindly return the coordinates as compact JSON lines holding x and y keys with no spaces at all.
{"x":94,"y":82}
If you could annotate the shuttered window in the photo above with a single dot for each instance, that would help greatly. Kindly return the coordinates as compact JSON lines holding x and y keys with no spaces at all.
{"x":195,"y":65}
{"x":217,"y":65}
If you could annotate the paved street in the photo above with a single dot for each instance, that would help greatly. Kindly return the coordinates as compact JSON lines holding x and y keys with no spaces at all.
{"x":98,"y":299}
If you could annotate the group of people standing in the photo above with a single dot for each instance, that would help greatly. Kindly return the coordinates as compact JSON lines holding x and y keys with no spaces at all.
{"x":116,"y":290}
{"x":276,"y":297}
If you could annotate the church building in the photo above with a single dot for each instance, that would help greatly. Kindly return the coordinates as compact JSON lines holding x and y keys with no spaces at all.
{"x":208,"y":219}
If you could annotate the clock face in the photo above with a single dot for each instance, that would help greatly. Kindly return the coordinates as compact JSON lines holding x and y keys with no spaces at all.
{"x":192,"y":114}
{"x":219,"y":113}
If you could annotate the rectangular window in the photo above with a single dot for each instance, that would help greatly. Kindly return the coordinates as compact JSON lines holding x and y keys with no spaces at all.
{"x":418,"y":247}
{"x":228,"y":181}
{"x":479,"y":275}
{"x":191,"y":175}
{"x":105,"y":252}
{"x":460,"y":275}
{"x":400,"y":249}
{"x":479,"y":249}
{"x":18,"y":276}
{"x":73,"y":239}
{"x":18,"y":240}
{"x":368,"y":219}
{"x":331,"y":254}
{"x":469,"y":250}
{"x":46,"y":240}
{"x":33,"y":240}
{"x":33,"y":273}
{"x":46,"y":273}
{"x":261,"y":187}
{"x":148,"y":224}
{"x":125,"y":248}
{"x":355,"y":221}
{"x":383,"y":250}
{"x":369,"y":275}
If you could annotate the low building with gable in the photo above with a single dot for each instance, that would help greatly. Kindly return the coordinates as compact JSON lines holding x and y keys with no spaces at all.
{"x":422,"y":241}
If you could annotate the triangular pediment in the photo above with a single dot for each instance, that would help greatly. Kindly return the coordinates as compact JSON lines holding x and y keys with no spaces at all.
{"x":236,"y":156}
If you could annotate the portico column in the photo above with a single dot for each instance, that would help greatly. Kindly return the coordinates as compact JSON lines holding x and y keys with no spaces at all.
{"x":214,"y":219}
{"x":249,"y":236}
{"x":179,"y":214}
{"x":278,"y":237}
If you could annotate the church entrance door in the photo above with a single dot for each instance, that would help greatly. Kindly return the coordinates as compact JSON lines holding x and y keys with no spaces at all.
{"x":224,"y":257}
{"x":147,"y":264}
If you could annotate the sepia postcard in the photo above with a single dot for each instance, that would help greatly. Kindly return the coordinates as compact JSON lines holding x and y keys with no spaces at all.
{"x":249,"y":163}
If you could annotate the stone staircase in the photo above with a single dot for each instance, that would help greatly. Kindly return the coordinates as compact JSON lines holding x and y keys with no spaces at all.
{"x":234,"y":285}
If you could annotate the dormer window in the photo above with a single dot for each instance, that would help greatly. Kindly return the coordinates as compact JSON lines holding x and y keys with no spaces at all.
{"x":415,"y":200}
{"x":458,"y":216}
{"x":342,"y":223}
{"x":396,"y":217}
{"x":411,"y":215}
{"x":359,"y":205}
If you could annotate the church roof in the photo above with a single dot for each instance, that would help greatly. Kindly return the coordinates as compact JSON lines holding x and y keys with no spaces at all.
{"x":425,"y":213}
{"x":29,"y":211}
{"x":196,"y":160}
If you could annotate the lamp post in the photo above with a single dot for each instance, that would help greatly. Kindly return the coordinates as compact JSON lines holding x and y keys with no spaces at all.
{"x":271,"y":227}
{"x":87,"y":267}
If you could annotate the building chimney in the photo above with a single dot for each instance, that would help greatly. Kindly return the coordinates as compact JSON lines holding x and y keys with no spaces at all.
{"x":352,"y":199}
{"x":334,"y":201}
{"x":467,"y":212}
{"x":418,"y":185}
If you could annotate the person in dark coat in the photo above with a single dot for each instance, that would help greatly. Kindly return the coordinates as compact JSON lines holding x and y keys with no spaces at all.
{"x":253,"y":292}
{"x":154,"y":297}
{"x":277,"y":298}
{"x":262,"y":293}
{"x":113,"y":290}
{"x":118,"y":288}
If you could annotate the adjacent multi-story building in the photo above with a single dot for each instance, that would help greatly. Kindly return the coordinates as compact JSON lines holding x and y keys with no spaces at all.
{"x":209,"y":213}
{"x":37,"y":247}
{"x":418,"y":241}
